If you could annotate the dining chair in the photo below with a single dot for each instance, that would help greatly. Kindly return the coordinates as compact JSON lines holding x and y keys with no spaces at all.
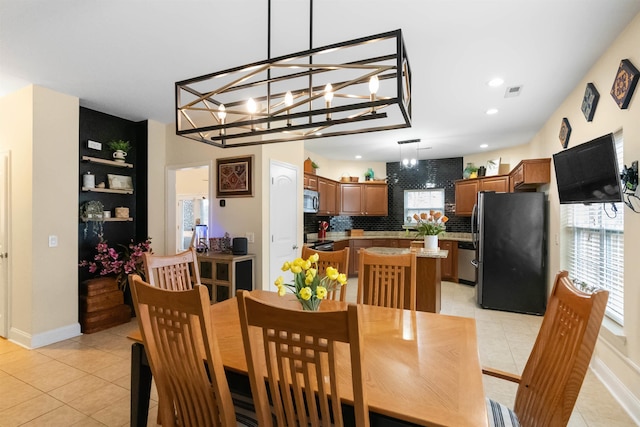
{"x":177,"y":272}
{"x":184,"y":357}
{"x":336,"y":259}
{"x":383,"y":280}
{"x":297,"y":349}
{"x":551,"y":379}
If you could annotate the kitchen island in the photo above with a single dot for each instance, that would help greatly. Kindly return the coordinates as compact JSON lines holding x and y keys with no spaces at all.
{"x":396,"y":239}
{"x":427,"y":276}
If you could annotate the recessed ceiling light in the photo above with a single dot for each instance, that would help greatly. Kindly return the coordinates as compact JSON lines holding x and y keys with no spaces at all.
{"x":495,"y":82}
{"x":358,"y":156}
{"x":492,"y":111}
{"x":484,"y":145}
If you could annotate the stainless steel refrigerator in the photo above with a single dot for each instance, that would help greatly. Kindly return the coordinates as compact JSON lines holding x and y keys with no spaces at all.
{"x":509,"y":230}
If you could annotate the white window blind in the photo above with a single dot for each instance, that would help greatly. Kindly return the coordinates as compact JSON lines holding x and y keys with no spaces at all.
{"x":595,"y":246}
{"x":419,"y":201}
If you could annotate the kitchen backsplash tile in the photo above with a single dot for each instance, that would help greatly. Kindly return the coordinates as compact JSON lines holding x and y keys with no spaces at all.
{"x":438,"y":173}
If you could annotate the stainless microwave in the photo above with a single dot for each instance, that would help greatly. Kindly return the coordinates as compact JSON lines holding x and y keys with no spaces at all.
{"x":311,"y":201}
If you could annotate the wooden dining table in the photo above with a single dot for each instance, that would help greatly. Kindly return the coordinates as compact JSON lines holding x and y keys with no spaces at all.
{"x":420,"y":368}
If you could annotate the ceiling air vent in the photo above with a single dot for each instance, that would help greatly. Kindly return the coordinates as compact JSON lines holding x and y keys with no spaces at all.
{"x":513,"y":91}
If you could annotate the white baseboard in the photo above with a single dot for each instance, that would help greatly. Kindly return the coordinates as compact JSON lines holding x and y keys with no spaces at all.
{"x":619,"y":391}
{"x":40,"y":340}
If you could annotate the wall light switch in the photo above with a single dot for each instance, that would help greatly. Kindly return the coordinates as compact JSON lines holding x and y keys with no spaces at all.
{"x":53,"y":241}
{"x":251,"y":237}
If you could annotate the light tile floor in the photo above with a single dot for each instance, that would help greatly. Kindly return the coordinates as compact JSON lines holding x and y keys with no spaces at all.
{"x":85,"y":381}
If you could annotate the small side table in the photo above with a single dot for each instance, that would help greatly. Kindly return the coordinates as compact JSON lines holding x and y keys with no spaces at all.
{"x":224,"y":273}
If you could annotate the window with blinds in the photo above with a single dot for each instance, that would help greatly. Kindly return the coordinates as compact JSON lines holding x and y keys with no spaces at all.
{"x":422,"y":201}
{"x":595,"y":246}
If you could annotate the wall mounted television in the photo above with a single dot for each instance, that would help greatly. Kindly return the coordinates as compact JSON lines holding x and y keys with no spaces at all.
{"x":589,"y":173}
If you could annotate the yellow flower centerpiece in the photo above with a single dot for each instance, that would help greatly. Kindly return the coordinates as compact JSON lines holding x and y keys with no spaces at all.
{"x":308,"y":286}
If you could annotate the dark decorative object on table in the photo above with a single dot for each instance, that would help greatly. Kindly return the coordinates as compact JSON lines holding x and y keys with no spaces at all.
{"x":565,"y":132}
{"x":590,"y":101}
{"x":624,"y":83}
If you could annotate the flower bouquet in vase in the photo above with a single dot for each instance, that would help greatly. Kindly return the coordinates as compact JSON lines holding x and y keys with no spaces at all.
{"x":308,"y":286}
{"x":429,"y":226}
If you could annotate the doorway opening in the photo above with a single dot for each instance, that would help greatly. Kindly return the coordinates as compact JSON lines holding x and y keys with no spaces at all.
{"x":188,"y":196}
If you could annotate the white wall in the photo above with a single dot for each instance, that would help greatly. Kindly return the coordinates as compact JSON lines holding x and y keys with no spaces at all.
{"x":335,"y":169}
{"x":40,"y":128}
{"x":157,"y":146}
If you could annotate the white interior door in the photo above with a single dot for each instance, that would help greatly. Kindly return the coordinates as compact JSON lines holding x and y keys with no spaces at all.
{"x":4,"y":241}
{"x":283,"y":213}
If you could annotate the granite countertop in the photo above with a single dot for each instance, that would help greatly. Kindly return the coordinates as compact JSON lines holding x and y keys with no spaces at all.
{"x":420,"y":252}
{"x":338,"y":236}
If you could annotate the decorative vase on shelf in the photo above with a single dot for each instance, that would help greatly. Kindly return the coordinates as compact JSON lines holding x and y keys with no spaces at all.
{"x":430,"y":243}
{"x":119,"y":156}
{"x":466,"y":173}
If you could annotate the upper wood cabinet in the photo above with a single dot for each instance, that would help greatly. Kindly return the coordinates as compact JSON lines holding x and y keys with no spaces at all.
{"x":467,"y":191}
{"x":328,"y":193}
{"x":364,"y":199}
{"x":499,"y":184}
{"x":310,"y":181}
{"x":528,"y":175}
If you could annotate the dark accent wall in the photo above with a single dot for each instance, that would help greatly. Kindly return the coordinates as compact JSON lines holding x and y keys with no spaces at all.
{"x":101,"y":127}
{"x":438,"y":173}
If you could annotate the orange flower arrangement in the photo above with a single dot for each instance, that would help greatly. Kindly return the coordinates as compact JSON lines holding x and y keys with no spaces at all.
{"x":430,"y":224}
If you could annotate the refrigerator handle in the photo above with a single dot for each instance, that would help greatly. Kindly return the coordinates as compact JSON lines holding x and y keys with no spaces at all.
{"x":474,"y":226}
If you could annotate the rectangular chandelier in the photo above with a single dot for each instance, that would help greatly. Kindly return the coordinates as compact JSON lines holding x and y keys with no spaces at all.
{"x":362,"y":85}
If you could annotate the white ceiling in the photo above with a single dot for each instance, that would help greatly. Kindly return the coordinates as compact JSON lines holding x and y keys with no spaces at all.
{"x":122,"y":57}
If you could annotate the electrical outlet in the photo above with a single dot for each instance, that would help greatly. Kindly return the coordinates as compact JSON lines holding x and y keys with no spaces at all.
{"x":251,"y":237}
{"x":53,"y":241}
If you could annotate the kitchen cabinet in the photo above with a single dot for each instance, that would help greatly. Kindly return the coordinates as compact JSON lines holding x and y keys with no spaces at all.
{"x":310,"y":181}
{"x":340,"y":245}
{"x":354,"y":259}
{"x":364,"y":199}
{"x":529,"y":174}
{"x":467,"y":191}
{"x":327,"y":190}
{"x":449,"y":265}
{"x":499,"y":184}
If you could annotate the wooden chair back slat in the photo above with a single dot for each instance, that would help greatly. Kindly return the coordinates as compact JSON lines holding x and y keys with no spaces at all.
{"x":295,"y":350}
{"x":382,"y":280}
{"x":553,"y":375}
{"x":177,"y":272}
{"x":183,"y":354}
{"x":336,"y":259}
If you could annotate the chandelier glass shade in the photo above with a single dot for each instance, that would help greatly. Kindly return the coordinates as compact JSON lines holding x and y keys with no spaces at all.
{"x":409,"y":153}
{"x":362,"y":85}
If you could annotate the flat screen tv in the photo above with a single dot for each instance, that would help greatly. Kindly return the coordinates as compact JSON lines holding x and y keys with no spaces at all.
{"x":588,"y":173}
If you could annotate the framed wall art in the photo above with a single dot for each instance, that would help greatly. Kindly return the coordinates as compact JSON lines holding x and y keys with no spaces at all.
{"x":590,"y":101}
{"x":565,"y":132}
{"x":493,"y":167}
{"x":120,"y":182}
{"x":234,"y":177}
{"x":624,"y":83}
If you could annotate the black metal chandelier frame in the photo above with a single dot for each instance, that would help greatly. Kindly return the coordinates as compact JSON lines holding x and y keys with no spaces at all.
{"x":212,"y":108}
